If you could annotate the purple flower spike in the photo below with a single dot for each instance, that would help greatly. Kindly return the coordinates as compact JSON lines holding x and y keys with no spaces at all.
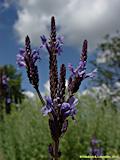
{"x":79,"y":74}
{"x":83,"y":59}
{"x":27,"y":58}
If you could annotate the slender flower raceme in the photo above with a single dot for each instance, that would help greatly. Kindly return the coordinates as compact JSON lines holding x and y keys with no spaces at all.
{"x":79,"y":74}
{"x":28,"y":58}
{"x":58,"y":106}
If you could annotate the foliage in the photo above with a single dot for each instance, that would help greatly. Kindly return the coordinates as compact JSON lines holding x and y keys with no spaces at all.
{"x":108,"y":61}
{"x":24,"y":135}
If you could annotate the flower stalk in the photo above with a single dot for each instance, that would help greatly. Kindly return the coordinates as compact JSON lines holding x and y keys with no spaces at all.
{"x":57,"y":106}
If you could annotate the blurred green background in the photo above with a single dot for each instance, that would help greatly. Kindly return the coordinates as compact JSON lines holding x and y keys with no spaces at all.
{"x":24,"y":134}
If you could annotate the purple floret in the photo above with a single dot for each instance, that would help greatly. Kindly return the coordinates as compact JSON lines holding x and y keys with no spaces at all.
{"x":34,"y":56}
{"x":20,"y":58}
{"x":80,"y":70}
{"x":48,"y":107}
{"x":58,"y":44}
{"x":69,"y":109}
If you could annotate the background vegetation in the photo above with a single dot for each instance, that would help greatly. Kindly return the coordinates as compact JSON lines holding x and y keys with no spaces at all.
{"x":24,"y":134}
